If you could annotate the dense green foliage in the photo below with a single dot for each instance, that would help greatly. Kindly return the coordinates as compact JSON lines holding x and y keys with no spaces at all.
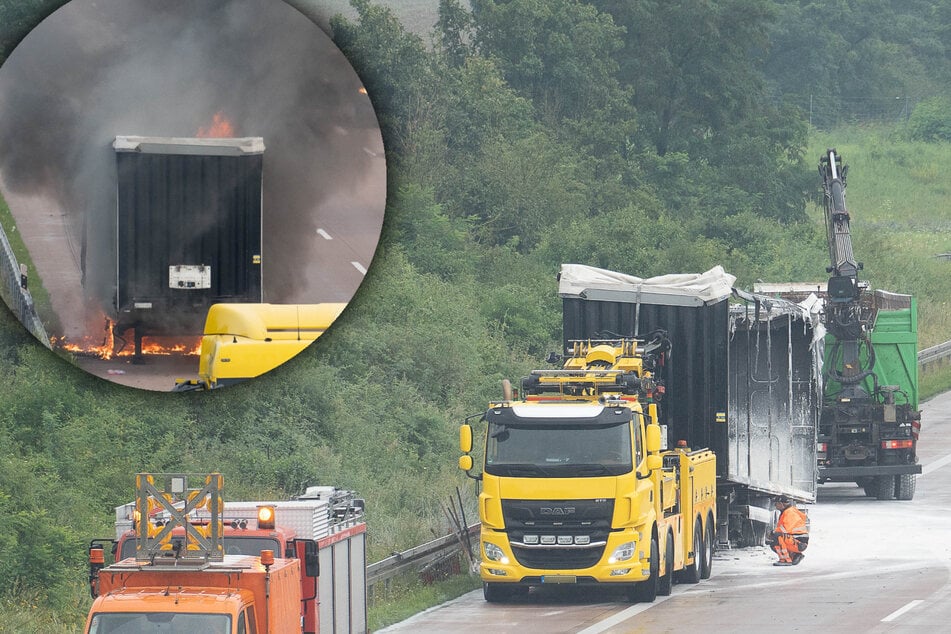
{"x":647,"y":137}
{"x":931,"y":120}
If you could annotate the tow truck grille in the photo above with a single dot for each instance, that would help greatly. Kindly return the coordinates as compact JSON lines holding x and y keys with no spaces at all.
{"x":578,"y":528}
{"x":557,"y":558}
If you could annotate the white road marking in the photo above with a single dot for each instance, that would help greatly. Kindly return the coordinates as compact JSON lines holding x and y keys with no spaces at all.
{"x":620,"y":617}
{"x":323,"y":234}
{"x":359,"y":267}
{"x":897,"y":613}
{"x":936,"y":464}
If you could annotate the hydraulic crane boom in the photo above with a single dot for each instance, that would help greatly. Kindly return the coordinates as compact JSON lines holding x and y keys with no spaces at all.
{"x":844,"y":267}
{"x":843,"y":315}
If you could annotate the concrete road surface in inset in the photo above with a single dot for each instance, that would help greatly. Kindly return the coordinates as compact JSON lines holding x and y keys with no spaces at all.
{"x":44,"y":229}
{"x":871,"y":566}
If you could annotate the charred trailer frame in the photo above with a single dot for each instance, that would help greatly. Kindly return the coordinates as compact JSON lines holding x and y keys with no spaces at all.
{"x":188,"y":230}
{"x":741,"y":378}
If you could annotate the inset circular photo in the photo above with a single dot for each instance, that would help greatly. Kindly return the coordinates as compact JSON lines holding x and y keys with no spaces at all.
{"x":192,"y":190}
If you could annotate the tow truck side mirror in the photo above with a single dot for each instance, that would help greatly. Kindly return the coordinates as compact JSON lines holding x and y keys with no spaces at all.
{"x":465,"y":440}
{"x":465,"y":445}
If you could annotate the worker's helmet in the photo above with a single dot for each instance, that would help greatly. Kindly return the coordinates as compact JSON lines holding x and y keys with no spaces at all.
{"x":784,"y":500}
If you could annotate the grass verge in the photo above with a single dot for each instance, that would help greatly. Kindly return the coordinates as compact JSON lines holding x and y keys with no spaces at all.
{"x":403,"y":597}
{"x":26,"y":612}
{"x":934,"y":382}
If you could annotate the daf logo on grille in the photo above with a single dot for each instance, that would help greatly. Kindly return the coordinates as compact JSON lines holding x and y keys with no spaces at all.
{"x":556,"y":510}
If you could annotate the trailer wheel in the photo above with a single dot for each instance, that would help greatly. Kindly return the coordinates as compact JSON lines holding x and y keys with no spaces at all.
{"x":646,"y":591}
{"x":665,"y":585}
{"x":884,"y":487}
{"x":905,"y":486}
{"x":706,"y":565}
{"x":691,"y":573}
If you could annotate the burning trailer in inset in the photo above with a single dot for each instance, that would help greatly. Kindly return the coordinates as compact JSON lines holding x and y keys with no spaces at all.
{"x":188,"y":231}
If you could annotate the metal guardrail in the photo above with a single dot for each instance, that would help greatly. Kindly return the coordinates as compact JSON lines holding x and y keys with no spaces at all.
{"x":417,"y":556}
{"x":934,"y":354}
{"x":14,"y":291}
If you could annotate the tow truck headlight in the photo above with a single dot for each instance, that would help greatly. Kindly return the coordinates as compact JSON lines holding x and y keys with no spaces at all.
{"x":494,"y":553}
{"x":623,"y":552}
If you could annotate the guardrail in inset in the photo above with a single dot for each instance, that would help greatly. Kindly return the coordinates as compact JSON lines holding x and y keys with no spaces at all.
{"x":13,"y":289}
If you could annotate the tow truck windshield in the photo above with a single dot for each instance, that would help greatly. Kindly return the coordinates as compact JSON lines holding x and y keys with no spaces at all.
{"x":560,"y":449}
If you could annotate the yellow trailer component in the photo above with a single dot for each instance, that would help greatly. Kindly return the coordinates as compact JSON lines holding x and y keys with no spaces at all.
{"x":242,"y":341}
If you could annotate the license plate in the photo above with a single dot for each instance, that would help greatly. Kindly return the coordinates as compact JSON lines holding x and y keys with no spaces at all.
{"x":559,"y":579}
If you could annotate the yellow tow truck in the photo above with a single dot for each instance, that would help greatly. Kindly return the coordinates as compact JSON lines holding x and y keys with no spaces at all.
{"x":576,"y":488}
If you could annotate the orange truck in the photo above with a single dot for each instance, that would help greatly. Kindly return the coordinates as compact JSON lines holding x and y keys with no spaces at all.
{"x":235,"y":566}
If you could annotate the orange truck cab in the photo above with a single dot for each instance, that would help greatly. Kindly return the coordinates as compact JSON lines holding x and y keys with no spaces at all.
{"x":198,"y":564}
{"x":239,"y":595}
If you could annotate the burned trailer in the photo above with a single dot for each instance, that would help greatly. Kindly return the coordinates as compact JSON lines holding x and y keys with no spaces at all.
{"x":741,"y":377}
{"x":188,"y":230}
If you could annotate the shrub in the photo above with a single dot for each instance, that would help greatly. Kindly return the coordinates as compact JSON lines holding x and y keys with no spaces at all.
{"x":930,"y":121}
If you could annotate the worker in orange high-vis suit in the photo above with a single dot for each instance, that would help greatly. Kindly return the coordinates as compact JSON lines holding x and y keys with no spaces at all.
{"x":791,"y":535}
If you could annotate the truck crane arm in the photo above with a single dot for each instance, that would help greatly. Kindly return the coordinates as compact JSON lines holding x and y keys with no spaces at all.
{"x":843,"y":313}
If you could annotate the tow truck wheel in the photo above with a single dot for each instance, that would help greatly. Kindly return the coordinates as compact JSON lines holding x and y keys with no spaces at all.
{"x":884,"y":487}
{"x":905,"y":486}
{"x":691,"y":573}
{"x":665,"y":585}
{"x":646,"y":591}
{"x":706,"y":565}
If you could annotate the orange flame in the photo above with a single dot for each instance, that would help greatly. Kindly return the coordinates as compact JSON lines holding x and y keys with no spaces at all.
{"x":220,"y":128}
{"x":105,"y":349}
